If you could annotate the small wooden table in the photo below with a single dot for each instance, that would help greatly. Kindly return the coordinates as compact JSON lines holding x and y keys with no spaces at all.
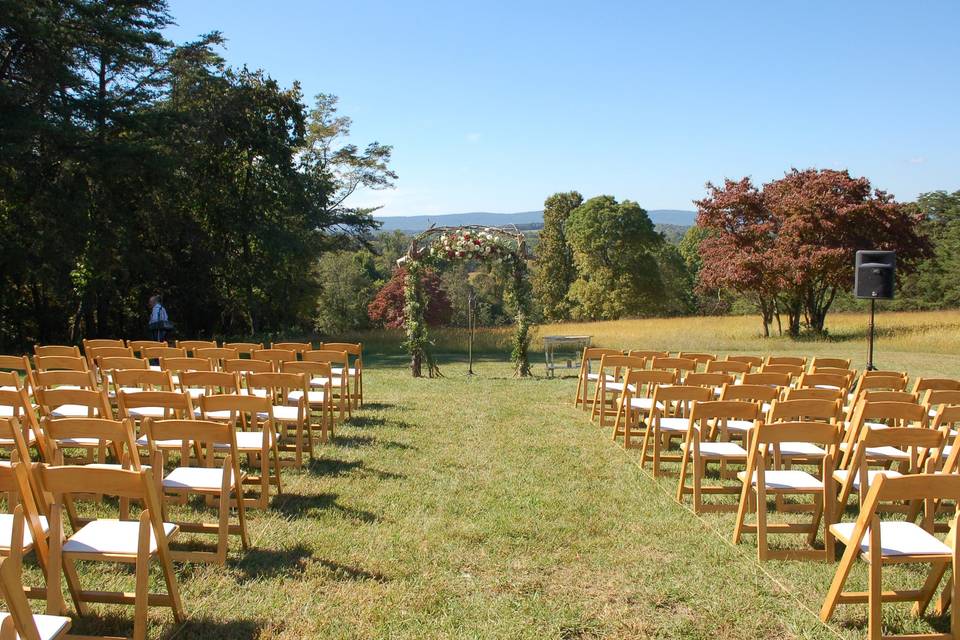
{"x":574,"y":343}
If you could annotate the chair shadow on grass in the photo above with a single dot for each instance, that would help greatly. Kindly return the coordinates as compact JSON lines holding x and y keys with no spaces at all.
{"x":258,"y":563}
{"x":370,"y":422}
{"x":354,"y":441}
{"x":375,"y":406}
{"x":334,"y":467}
{"x":294,"y":505}
{"x":227,"y":629}
{"x":343,"y":572}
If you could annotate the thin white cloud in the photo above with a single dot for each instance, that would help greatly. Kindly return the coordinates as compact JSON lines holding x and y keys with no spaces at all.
{"x":916,"y":160}
{"x":473,"y":137}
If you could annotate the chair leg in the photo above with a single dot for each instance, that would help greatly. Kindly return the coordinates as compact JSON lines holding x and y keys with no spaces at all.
{"x":143,"y":579}
{"x":875,"y":593}
{"x":742,"y":509}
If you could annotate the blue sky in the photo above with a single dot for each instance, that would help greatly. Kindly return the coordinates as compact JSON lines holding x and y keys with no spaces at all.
{"x":493,"y":106}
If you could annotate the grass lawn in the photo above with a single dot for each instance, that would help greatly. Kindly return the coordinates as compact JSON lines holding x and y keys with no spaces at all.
{"x":489,"y":507}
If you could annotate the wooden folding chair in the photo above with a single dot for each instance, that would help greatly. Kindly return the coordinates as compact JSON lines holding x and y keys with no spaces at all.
{"x":94,"y":354}
{"x":23,"y":529}
{"x":824,"y":381}
{"x":176,"y":366}
{"x":198,"y":383}
{"x":792,"y":370}
{"x":914,"y":450}
{"x":138,"y":346}
{"x":16,"y":404}
{"x":258,"y":440}
{"x":320,"y":400}
{"x":697,"y":451}
{"x":160,"y":405}
{"x":134,"y":542}
{"x":669,"y":419}
{"x":768,"y":378}
{"x":755,"y":362}
{"x":713,"y":380}
{"x":680,"y":366}
{"x":19,"y":622}
{"x":287,"y":410}
{"x":610,"y":384}
{"x":161,"y":353}
{"x":247,"y":365}
{"x":339,"y":384}
{"x":879,"y":542}
{"x":217,"y":356}
{"x":647,"y":354}
{"x":244,"y":348}
{"x":101,"y":342}
{"x":868,"y":415}
{"x":225,"y":484}
{"x":355,"y":370}
{"x":56,"y":350}
{"x":274,"y":356}
{"x":922,"y":385}
{"x":591,"y":355}
{"x":806,"y":410}
{"x":761,"y":395}
{"x":191,"y":346}
{"x":702,"y":359}
{"x":636,"y":401}
{"x":765,"y":476}
{"x":833,"y":395}
{"x":20,"y":366}
{"x":736,"y":369}
{"x":68,"y":402}
{"x":794,"y":361}
{"x":297,"y":347}
{"x":60,"y":363}
{"x":833,"y":363}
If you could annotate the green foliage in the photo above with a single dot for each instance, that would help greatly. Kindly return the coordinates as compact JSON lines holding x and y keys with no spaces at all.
{"x":555,"y":271}
{"x":347,"y":286}
{"x":130,"y":165}
{"x":615,"y":249}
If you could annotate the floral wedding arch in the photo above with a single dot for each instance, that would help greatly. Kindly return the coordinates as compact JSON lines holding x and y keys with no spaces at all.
{"x":441,"y":246}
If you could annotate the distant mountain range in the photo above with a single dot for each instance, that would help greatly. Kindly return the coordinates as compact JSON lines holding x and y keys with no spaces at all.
{"x":523,"y":219}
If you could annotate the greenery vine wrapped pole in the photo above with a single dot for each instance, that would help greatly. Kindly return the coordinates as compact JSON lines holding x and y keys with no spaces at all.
{"x":439,"y":246}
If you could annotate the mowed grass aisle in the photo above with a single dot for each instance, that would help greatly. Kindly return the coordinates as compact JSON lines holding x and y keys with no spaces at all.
{"x":481,"y":508}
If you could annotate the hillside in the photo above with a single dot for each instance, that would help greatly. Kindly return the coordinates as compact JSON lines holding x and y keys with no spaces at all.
{"x":523,"y":219}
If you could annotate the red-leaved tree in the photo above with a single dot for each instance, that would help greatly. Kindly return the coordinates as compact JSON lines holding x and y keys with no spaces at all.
{"x":387,"y":307}
{"x":790,"y":246}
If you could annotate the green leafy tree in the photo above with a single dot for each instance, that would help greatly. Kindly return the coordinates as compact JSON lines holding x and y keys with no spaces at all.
{"x":346,"y":291}
{"x":555,"y":271}
{"x":615,"y":250}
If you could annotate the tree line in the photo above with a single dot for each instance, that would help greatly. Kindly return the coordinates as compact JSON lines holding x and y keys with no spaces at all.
{"x":131,"y":165}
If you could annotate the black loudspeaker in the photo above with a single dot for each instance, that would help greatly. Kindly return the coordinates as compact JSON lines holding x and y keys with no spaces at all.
{"x":875,"y":275}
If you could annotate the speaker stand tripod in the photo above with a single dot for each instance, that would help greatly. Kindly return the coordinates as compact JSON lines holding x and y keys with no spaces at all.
{"x":873,"y":307}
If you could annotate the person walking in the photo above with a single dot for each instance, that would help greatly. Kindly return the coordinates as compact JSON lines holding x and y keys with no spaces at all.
{"x":160,"y":323}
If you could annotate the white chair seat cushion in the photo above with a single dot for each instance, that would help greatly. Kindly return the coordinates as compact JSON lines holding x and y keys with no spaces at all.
{"x":674,"y":425}
{"x":112,"y":536}
{"x":644,"y":404}
{"x":786,"y":479}
{"x":617,"y":386}
{"x":596,"y":376}
{"x":805,"y":449}
{"x":78,"y":442}
{"x":338,"y":371}
{"x":313,"y":397}
{"x":260,"y":393}
{"x":6,"y":531}
{"x":283,"y":414}
{"x":196,"y":392}
{"x":8,"y":442}
{"x":72,"y":411}
{"x":886,"y":453}
{"x":897,"y":538}
{"x":721,"y":450}
{"x":739,"y":426}
{"x":6,"y":411}
{"x":212,"y":415}
{"x":246,"y":441}
{"x":166,"y":444}
{"x":48,"y":627}
{"x":195,"y":478}
{"x":945,"y":452}
{"x":147,"y":412}
{"x":840,"y":475}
